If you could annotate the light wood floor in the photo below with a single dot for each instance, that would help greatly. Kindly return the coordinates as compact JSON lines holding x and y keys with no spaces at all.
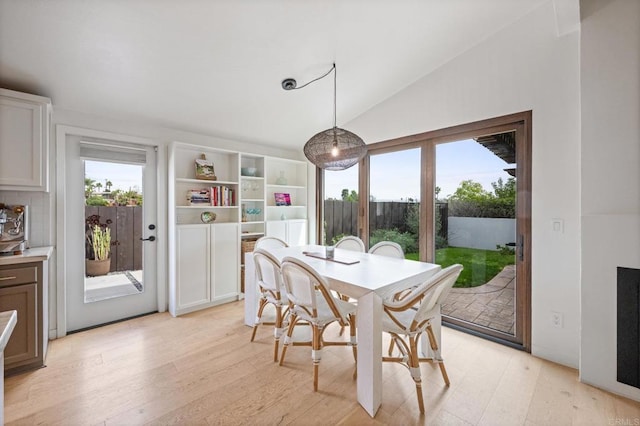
{"x":202,"y":369}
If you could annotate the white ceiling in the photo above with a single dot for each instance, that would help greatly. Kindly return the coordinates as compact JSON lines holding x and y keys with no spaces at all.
{"x":215,"y":67}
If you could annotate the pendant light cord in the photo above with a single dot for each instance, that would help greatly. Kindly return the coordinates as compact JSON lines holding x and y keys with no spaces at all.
{"x":335,"y":79}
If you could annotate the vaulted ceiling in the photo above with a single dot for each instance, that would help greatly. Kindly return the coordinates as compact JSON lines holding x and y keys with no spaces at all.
{"x":215,"y":67}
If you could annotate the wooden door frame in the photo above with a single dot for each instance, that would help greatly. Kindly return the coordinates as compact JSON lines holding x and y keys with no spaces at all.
{"x":521,"y":123}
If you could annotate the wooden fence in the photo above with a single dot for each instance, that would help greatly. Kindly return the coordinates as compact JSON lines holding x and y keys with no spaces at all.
{"x":341,"y":217}
{"x":125,"y":223}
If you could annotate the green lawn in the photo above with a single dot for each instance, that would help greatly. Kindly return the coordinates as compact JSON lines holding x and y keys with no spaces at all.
{"x":479,"y":265}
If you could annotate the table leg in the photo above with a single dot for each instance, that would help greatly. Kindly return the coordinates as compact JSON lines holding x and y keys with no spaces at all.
{"x":369,"y":324}
{"x":250,"y":291}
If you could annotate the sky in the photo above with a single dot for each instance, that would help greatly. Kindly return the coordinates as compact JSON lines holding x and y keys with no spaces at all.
{"x":123,"y":176}
{"x":396,"y":176}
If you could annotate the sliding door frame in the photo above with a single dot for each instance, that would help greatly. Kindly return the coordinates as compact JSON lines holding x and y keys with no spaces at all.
{"x":427,"y":141}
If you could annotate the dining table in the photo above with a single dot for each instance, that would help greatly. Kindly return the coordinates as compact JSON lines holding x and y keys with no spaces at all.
{"x":365,"y":277}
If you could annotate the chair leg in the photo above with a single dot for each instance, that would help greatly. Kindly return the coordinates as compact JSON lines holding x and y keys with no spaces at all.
{"x":436,"y":352}
{"x":293,"y":319}
{"x":263,"y":303}
{"x":391,"y":346}
{"x":277,"y":332}
{"x":414,"y":367}
{"x":316,"y":354}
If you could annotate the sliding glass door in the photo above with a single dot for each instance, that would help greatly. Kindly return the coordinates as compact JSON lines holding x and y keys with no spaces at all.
{"x":475,"y":213}
{"x":456,"y":195}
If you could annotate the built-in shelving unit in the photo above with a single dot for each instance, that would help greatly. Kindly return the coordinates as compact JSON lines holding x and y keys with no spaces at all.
{"x":205,"y":258}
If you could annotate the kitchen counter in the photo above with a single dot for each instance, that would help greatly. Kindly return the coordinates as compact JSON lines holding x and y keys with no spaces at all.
{"x":35,"y":254}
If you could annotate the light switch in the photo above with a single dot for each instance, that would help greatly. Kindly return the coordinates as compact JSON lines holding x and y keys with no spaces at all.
{"x":557,"y":225}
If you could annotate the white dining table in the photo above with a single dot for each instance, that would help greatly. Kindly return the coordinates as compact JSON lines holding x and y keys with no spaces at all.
{"x":364,"y":281}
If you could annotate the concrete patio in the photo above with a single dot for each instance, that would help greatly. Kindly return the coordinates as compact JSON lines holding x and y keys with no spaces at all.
{"x":114,"y":284}
{"x":491,"y":305}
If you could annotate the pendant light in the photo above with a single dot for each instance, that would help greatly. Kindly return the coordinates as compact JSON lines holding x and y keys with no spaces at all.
{"x":335,"y":148}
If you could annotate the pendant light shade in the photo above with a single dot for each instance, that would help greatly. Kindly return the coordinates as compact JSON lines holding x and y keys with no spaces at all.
{"x":335,"y":148}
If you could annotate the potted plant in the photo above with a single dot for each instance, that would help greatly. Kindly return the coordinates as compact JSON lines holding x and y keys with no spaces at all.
{"x":98,"y":260}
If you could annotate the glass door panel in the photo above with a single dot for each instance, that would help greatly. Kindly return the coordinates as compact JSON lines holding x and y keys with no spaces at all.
{"x":340,"y":209}
{"x":394,"y":199}
{"x":475,"y":213}
{"x":113,"y":228}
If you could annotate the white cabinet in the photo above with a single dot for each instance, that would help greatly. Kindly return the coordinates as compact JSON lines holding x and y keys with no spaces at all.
{"x":293,"y":232}
{"x":206,"y":267}
{"x":204,"y":258}
{"x":24,"y":141}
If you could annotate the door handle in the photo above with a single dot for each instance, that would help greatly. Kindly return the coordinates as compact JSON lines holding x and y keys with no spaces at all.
{"x":520,"y":247}
{"x":151,"y":238}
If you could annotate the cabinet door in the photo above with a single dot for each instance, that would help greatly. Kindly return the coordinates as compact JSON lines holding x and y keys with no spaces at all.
{"x":23,"y":343}
{"x":277,"y":229}
{"x":225,"y":260}
{"x":24,"y":132}
{"x":193,"y":265}
{"x":297,"y":235}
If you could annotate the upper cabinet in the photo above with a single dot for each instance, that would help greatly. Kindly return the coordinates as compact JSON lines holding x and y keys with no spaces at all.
{"x":24,"y":141}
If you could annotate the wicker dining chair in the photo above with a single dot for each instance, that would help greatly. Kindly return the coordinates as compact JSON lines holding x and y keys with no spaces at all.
{"x":269,"y":280}
{"x":351,"y":243}
{"x":270,"y":243}
{"x":408,"y":318}
{"x":387,"y":248}
{"x":311,"y":301}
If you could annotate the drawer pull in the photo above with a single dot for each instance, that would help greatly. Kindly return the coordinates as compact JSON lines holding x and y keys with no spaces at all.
{"x":7,"y":278}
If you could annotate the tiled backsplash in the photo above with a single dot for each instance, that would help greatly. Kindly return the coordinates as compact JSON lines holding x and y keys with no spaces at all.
{"x":40,"y":214}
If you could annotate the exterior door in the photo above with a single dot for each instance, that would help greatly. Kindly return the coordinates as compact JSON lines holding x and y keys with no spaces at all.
{"x":111,"y":192}
{"x":477,"y":182}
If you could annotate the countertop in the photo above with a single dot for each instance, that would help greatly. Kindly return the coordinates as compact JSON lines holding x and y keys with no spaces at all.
{"x":35,"y":254}
{"x":8,"y":320}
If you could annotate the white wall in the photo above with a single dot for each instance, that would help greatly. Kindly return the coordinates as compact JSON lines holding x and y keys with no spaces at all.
{"x":42,"y":205}
{"x":610,"y":90}
{"x":525,"y":66}
{"x":480,"y":232}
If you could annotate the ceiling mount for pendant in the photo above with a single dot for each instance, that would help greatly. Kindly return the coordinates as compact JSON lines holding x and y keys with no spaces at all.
{"x":334,"y":148}
{"x":289,"y":84}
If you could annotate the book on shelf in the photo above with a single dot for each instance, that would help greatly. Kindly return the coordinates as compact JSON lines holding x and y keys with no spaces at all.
{"x":218,"y":196}
{"x":198,"y":197}
{"x":223,"y":196}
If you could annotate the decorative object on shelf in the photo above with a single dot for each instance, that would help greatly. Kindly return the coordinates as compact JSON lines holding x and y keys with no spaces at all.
{"x":244,"y":213}
{"x":283,"y":216}
{"x":281,"y":179}
{"x":254,"y":212}
{"x":248,"y":171}
{"x":282,"y":199}
{"x":204,"y":169}
{"x":207,"y":217}
{"x":332,"y":149}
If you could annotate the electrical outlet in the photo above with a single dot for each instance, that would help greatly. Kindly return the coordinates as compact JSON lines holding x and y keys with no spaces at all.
{"x":556,"y":319}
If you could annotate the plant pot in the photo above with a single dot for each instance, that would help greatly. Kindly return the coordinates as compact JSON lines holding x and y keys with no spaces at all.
{"x":94,"y":268}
